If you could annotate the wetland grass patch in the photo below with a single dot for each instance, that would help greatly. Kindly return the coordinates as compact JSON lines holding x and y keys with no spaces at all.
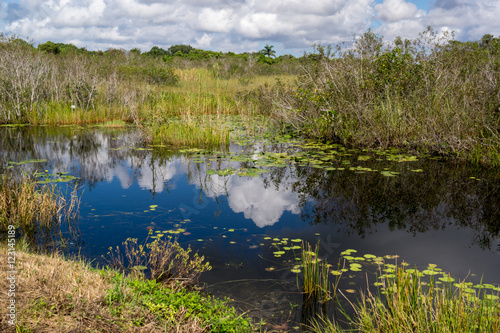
{"x":36,"y":210}
{"x":411,"y":300}
{"x":204,"y":133}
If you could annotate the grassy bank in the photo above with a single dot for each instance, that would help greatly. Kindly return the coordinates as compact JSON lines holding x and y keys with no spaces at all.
{"x":54,"y":294}
{"x":428,"y":94}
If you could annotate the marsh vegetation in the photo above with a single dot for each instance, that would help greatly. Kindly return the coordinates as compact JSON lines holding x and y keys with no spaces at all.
{"x":364,"y":136}
{"x":431,"y":93}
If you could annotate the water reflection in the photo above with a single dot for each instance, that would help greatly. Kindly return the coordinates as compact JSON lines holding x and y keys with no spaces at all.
{"x":442,"y":196}
{"x":261,"y":203}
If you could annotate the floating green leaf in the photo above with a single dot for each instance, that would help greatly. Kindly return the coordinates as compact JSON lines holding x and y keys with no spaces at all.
{"x":139,"y":268}
{"x":447,"y":279}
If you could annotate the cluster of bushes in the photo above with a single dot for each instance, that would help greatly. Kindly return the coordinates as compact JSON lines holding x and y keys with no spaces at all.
{"x":56,"y":78}
{"x":427,"y":93}
{"x":34,"y":81}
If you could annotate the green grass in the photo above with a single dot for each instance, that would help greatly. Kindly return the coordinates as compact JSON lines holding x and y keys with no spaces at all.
{"x":199,"y":133}
{"x":315,"y":283}
{"x":166,"y":304}
{"x":409,"y":300}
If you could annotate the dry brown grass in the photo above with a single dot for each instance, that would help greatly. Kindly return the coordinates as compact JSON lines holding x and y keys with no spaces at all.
{"x":58,"y":295}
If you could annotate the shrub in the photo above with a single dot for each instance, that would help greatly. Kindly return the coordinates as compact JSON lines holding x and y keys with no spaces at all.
{"x":426,"y":93}
{"x":165,"y":261}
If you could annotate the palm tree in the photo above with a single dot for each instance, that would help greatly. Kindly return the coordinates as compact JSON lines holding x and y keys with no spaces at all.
{"x":268,"y":51}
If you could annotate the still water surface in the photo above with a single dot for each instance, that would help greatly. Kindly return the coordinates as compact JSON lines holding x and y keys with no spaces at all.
{"x":426,"y":210}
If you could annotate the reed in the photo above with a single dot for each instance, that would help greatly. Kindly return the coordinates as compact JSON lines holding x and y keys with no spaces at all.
{"x":408,"y":302}
{"x":36,"y":211}
{"x":315,"y":283}
{"x":203,"y":132}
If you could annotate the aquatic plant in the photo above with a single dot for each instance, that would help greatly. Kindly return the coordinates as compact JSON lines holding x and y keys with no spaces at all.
{"x":315,"y":271}
{"x":200,"y":133}
{"x":412,"y":300}
{"x":36,"y":211}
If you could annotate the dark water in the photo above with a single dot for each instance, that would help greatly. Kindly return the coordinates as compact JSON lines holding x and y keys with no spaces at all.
{"x":447,"y":214}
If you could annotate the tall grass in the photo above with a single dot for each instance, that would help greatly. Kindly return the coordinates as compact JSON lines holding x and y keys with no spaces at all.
{"x":315,"y":274}
{"x":198,"y":110}
{"x":407,"y":302}
{"x":178,"y":133}
{"x":37,"y":211}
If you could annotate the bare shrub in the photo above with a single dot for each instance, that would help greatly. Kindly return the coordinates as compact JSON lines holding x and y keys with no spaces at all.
{"x":23,"y":72}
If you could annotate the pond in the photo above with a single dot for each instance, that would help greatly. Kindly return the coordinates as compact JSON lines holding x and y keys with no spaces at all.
{"x":247,"y":209}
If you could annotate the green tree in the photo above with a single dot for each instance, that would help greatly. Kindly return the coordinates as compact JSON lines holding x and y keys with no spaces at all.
{"x":156,"y":52}
{"x":180,"y":49}
{"x":49,"y":47}
{"x":135,"y":51}
{"x":268,"y":51}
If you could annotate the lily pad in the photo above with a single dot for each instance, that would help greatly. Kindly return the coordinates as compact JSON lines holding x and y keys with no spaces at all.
{"x":139,"y":268}
{"x":447,"y":279}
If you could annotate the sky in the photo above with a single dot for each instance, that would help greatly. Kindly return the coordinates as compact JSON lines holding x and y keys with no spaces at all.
{"x":290,"y":26}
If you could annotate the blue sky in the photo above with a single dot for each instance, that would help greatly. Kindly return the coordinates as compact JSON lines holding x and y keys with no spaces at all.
{"x":292,"y":26}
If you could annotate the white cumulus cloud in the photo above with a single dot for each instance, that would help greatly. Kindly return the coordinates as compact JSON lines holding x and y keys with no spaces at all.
{"x":238,"y":25}
{"x":395,"y":10}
